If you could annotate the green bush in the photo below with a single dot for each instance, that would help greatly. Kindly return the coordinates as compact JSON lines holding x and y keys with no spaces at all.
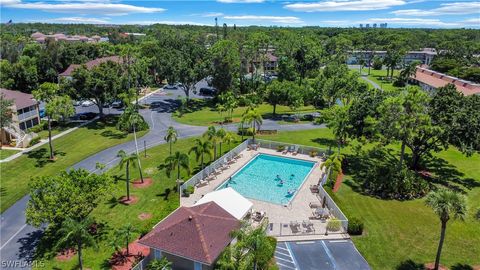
{"x":34,"y":141}
{"x":245,"y":131}
{"x":334,"y":225}
{"x":280,"y":148}
{"x":355,"y":226}
{"x":477,"y":214}
{"x":189,"y":190}
{"x":43,"y":125}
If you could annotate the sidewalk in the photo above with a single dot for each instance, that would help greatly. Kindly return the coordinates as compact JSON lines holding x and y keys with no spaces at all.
{"x":42,"y":142}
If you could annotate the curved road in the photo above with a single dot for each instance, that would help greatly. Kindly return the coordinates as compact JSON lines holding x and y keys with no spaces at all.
{"x":18,"y":240}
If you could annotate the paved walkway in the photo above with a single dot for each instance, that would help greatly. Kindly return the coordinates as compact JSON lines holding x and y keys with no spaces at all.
{"x":372,"y":83}
{"x":18,"y":240}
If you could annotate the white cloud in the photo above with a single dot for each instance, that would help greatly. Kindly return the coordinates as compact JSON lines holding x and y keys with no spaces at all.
{"x":167,"y":22}
{"x":211,"y":14}
{"x":414,"y":22}
{"x":344,"y":5}
{"x":78,"y":20}
{"x":273,"y":19}
{"x":88,"y":7}
{"x":240,"y":1}
{"x":457,"y":8}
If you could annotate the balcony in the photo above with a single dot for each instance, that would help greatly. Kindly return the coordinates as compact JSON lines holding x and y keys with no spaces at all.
{"x":27,"y":115}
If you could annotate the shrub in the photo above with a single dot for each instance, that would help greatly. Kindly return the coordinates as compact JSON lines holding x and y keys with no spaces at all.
{"x":189,"y":190}
{"x":477,"y":214}
{"x":313,"y":153}
{"x":334,"y":225}
{"x":43,"y":125}
{"x":280,"y":148}
{"x":245,"y":131}
{"x":34,"y":141}
{"x":355,"y":226}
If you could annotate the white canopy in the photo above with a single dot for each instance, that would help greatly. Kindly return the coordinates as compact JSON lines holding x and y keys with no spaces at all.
{"x":230,"y":200}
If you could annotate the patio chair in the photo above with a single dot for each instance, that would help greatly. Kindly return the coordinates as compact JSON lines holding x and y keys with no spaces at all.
{"x":308,"y":227}
{"x":295,"y":227}
{"x":315,"y":205}
{"x":296,"y":149}
{"x":285,"y":151}
{"x":231,"y":161}
{"x":238,"y":156}
{"x":258,"y":216}
{"x":314,"y":189}
{"x":225,"y":164}
{"x":202,"y":183}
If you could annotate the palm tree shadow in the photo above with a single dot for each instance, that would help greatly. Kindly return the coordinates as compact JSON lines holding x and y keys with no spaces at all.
{"x":460,"y":266}
{"x":165,"y":194}
{"x":325,"y":142}
{"x":410,"y":265}
{"x":112,"y":202}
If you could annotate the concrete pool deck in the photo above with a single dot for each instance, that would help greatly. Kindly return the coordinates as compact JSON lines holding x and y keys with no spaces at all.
{"x":279,"y":216}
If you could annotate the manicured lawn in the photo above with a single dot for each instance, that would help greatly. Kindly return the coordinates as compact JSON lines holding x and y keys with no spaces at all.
{"x":56,"y":130}
{"x":159,"y":199}
{"x":206,"y":116}
{"x":69,"y":149}
{"x":4,"y":153}
{"x":397,"y":231}
{"x":378,"y":76}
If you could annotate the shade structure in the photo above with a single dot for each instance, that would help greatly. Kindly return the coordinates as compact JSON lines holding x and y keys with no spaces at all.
{"x":230,"y":200}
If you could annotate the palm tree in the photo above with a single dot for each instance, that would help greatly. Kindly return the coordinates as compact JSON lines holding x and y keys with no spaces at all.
{"x":77,"y":232}
{"x":333,"y":165}
{"x":409,"y":71}
{"x":127,"y":160}
{"x":446,"y":204}
{"x":200,"y":149}
{"x":135,"y":119}
{"x":125,"y":233}
{"x":220,"y":109}
{"x":211,"y":135}
{"x":221,"y":133}
{"x":254,"y":118}
{"x":177,"y":161}
{"x":171,"y":137}
{"x":255,"y":244}
{"x":229,"y":138}
{"x":162,"y":264}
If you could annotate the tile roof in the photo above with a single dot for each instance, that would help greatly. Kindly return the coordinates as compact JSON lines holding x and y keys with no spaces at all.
{"x":437,"y":79}
{"x":21,"y":100}
{"x":199,"y":233}
{"x":91,"y":64}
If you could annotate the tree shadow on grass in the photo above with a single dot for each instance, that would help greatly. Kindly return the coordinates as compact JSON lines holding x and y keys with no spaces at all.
{"x":112,"y":202}
{"x":114,"y":134}
{"x":165,"y":194}
{"x":460,"y":266}
{"x":42,"y":156}
{"x":325,"y":142}
{"x":447,"y":175}
{"x":410,"y":265}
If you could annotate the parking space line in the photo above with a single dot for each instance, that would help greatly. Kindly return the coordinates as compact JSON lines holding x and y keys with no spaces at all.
{"x":291,"y":254}
{"x":329,"y":254}
{"x":277,"y":258}
{"x":284,"y":254}
{"x":286,"y":266}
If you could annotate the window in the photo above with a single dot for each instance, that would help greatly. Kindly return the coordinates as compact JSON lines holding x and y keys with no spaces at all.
{"x":22,"y":126}
{"x":35,"y":121}
{"x":197,"y":266}
{"x":158,"y":254}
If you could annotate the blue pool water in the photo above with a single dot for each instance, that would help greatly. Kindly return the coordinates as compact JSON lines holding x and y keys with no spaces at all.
{"x":258,"y":179}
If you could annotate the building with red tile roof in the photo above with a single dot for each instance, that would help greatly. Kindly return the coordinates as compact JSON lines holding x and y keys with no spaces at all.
{"x":90,"y":64}
{"x":192,"y":237}
{"x":430,"y":80}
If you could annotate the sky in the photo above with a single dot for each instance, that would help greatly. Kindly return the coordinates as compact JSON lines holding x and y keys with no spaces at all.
{"x":329,"y":13}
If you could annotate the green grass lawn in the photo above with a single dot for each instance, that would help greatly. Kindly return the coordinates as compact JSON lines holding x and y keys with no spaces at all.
{"x":159,"y":200}
{"x":56,"y":130}
{"x":396,"y":231}
{"x":206,"y":116}
{"x":4,"y":153}
{"x":69,"y":149}
{"x":378,"y":76}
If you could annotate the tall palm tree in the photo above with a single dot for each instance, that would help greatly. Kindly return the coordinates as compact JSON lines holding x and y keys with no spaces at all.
{"x":211,"y":135}
{"x":409,"y":71}
{"x":254,"y":118}
{"x":135,"y":119}
{"x":171,"y":137}
{"x":446,"y":204}
{"x":200,"y":149}
{"x":221,"y":133}
{"x":125,"y":161}
{"x":256,"y":246}
{"x":177,"y":161}
{"x":125,"y":233}
{"x":229,"y":138}
{"x":77,"y":232}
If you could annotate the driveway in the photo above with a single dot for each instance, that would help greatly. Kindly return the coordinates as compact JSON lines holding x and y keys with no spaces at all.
{"x":18,"y":240}
{"x":319,"y":255}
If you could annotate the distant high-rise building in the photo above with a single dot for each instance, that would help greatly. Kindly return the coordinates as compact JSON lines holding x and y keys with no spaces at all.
{"x":374,"y":25}
{"x":383,"y":25}
{"x":367,"y":25}
{"x":361,"y":25}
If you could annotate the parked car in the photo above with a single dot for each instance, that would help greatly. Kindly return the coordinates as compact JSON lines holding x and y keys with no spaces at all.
{"x":41,"y":113}
{"x":117,"y":104}
{"x":77,"y":102}
{"x":170,"y":87}
{"x":207,"y":91}
{"x":87,"y":103}
{"x":87,"y":116}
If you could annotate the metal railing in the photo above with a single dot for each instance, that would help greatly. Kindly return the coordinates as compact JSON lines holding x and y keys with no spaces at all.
{"x":221,"y":161}
{"x":332,"y":206}
{"x":302,"y":149}
{"x":306,"y":227}
{"x":142,"y":264}
{"x":28,"y":114}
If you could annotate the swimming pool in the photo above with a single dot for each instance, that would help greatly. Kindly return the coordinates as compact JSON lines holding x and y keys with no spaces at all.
{"x":258,"y":178}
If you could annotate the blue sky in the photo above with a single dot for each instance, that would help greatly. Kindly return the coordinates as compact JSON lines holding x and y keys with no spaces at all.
{"x":342,"y":13}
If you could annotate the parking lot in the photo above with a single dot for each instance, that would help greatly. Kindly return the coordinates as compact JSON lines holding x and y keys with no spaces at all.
{"x":319,"y":255}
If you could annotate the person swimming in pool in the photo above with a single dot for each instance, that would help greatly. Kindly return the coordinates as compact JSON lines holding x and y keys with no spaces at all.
{"x":290,"y":192}
{"x":278,"y":177}
{"x":280,"y":183}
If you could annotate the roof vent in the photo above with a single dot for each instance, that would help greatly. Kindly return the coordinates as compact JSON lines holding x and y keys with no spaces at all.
{"x":190,"y":218}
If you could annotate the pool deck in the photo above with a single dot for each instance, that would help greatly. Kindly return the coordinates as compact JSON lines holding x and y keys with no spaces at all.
{"x":279,"y":216}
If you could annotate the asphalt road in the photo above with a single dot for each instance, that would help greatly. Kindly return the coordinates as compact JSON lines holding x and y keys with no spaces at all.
{"x":18,"y":240}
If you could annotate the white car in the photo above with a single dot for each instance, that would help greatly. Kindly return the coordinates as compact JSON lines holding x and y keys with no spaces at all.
{"x":170,"y":86}
{"x":87,"y":103}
